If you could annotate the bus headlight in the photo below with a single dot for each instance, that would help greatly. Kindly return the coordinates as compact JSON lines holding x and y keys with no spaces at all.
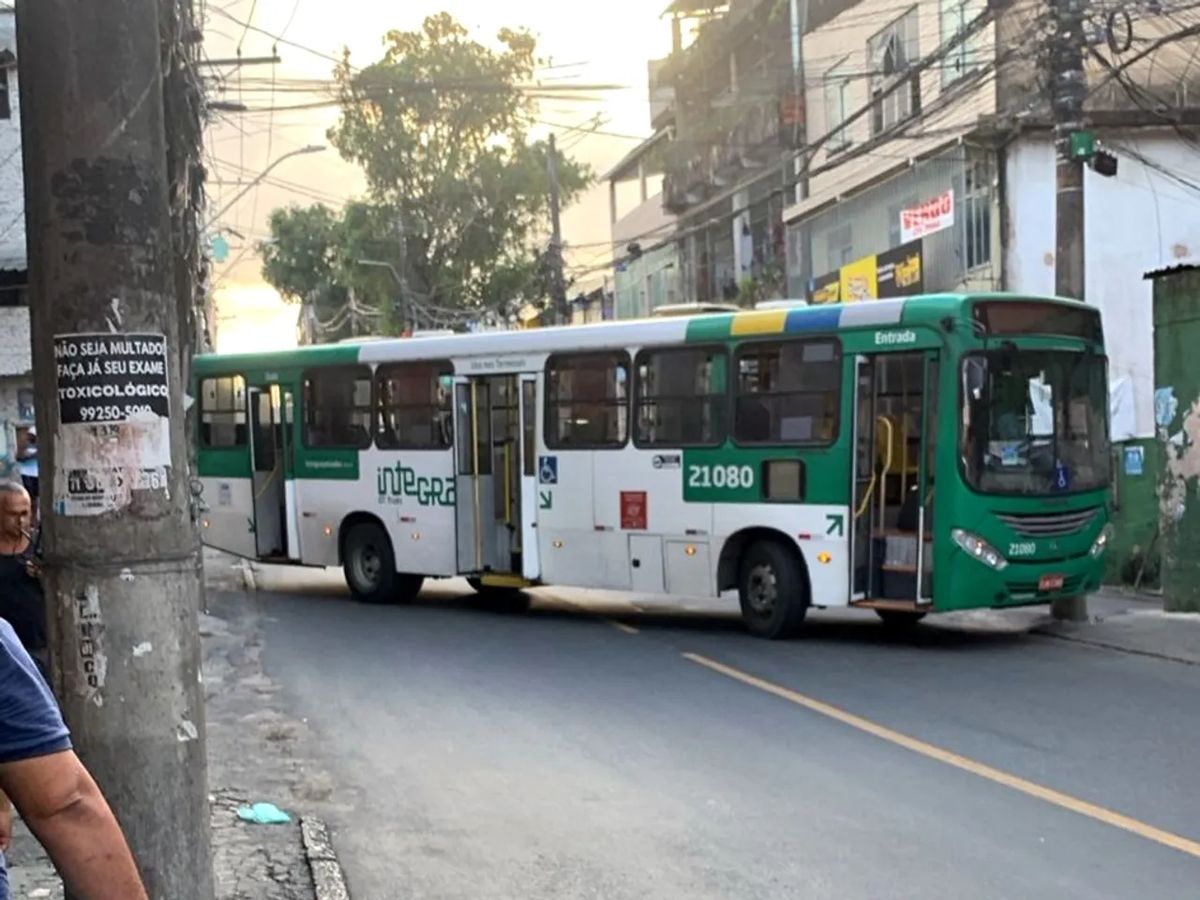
{"x":1102,"y":540}
{"x":977,"y":547}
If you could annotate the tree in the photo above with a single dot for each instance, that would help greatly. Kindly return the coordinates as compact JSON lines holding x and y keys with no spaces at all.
{"x":440,"y":126}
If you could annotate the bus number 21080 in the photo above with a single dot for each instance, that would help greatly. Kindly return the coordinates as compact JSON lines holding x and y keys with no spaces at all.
{"x":718,"y":476}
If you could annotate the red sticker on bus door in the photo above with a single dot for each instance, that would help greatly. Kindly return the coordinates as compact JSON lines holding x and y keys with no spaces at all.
{"x":633,"y":510}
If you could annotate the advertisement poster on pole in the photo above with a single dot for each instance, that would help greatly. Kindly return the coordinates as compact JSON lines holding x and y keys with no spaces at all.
{"x":113,"y":433}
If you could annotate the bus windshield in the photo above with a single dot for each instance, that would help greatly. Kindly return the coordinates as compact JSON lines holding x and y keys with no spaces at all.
{"x":1035,"y":421}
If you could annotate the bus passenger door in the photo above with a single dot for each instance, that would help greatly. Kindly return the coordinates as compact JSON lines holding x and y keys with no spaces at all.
{"x":530,"y":563}
{"x":894,"y":404}
{"x":490,"y":483}
{"x":267,"y":456}
{"x":864,"y":478}
{"x":225,"y":466}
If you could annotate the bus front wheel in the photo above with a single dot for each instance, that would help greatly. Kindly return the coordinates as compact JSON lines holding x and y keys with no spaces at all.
{"x":370,"y":564}
{"x":773,"y":590}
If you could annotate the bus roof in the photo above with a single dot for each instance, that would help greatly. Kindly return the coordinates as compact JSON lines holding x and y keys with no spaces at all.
{"x":929,"y":309}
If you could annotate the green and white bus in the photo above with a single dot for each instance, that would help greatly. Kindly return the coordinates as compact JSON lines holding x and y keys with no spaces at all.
{"x":917,"y":455}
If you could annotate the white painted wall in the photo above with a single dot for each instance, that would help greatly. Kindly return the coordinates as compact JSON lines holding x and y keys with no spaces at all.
{"x":1136,"y":222}
{"x":12,"y":186}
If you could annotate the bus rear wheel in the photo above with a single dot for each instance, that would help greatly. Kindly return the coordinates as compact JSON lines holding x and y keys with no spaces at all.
{"x":773,"y":590}
{"x":370,"y":567}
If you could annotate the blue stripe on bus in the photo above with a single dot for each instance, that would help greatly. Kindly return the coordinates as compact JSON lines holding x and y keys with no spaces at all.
{"x":812,"y":318}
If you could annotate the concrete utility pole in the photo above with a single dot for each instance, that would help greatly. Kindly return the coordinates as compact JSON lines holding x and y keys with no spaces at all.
{"x":558,"y":282}
{"x":121,"y":572}
{"x":1068,"y":89}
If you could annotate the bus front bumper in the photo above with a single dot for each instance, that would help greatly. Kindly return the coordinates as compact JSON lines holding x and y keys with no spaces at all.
{"x":970,"y":584}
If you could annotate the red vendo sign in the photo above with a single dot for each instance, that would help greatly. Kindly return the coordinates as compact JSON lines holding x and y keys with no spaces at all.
{"x":633,"y":510}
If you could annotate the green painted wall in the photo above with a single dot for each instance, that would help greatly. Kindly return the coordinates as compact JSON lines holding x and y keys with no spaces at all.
{"x":1135,"y":514}
{"x":1177,"y":416}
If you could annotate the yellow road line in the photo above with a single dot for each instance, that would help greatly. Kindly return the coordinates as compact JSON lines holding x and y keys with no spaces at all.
{"x":1049,"y":795}
{"x":621,"y":626}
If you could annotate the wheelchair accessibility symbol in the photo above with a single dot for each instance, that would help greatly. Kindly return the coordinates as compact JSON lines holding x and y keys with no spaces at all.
{"x":547,"y":470}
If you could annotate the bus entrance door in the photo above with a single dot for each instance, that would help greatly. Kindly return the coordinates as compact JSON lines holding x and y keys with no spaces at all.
{"x":488,"y":439}
{"x":892,"y":488}
{"x":270,"y":449}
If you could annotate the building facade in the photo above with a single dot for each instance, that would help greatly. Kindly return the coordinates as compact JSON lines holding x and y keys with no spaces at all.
{"x":736,"y":116}
{"x":931,"y":167}
{"x":844,"y":151}
{"x":646,"y":272}
{"x":16,"y":366}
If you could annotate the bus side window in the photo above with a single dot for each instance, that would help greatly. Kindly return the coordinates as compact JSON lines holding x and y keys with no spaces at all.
{"x":787,"y":392}
{"x":223,"y":412}
{"x":587,"y":401}
{"x":337,"y":408}
{"x":679,"y":397}
{"x":414,"y":406}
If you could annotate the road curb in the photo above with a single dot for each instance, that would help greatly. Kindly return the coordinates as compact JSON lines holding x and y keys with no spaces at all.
{"x":1111,"y":645}
{"x":327,"y":875}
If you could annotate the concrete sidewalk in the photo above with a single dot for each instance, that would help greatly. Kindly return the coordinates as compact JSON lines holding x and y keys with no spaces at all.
{"x":1133,"y":623}
{"x":1117,"y":620}
{"x":256,"y":752}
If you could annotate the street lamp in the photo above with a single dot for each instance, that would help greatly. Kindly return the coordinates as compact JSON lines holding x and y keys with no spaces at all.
{"x":311,"y":148}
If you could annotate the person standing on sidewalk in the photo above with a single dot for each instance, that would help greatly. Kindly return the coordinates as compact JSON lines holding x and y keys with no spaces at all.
{"x":21,"y":600}
{"x":49,"y":786}
{"x":27,"y":462}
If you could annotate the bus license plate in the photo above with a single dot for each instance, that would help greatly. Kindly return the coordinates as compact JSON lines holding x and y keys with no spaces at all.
{"x":1050,"y":583}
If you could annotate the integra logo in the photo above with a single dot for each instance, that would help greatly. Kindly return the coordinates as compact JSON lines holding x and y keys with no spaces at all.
{"x":395,"y":483}
{"x":892,"y":338}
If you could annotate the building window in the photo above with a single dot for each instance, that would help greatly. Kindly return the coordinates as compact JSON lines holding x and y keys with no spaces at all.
{"x":415,"y":406}
{"x":337,"y":408}
{"x":837,"y":106}
{"x":840,"y":246}
{"x":587,"y":401}
{"x":953,"y":18}
{"x":891,"y":54}
{"x":25,"y":411}
{"x":788,"y":392}
{"x":679,"y":397}
{"x":5,"y":100}
{"x":223,"y":412}
{"x":977,"y":213}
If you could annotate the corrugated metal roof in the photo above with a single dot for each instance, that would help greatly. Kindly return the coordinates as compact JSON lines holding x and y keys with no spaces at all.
{"x":1182,"y":265}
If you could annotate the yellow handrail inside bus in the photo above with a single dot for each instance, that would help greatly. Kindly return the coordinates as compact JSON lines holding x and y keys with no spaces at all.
{"x":887,"y":465}
{"x":508,"y":494}
{"x":475,"y":473}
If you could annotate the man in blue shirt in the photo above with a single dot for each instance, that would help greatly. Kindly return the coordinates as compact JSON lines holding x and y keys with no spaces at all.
{"x":54,"y":793}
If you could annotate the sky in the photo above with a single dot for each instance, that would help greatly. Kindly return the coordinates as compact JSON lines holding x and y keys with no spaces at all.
{"x":609,"y":45}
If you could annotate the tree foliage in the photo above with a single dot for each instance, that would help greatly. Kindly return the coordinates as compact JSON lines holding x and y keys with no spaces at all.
{"x":440,"y":126}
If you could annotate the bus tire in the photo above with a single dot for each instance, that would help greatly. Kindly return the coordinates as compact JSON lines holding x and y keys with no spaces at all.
{"x":370,"y":564}
{"x":773,"y":590}
{"x":899,"y":619}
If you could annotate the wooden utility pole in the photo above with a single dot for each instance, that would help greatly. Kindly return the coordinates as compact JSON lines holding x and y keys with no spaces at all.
{"x":1068,"y":89}
{"x":558,"y":280}
{"x":121,"y":544}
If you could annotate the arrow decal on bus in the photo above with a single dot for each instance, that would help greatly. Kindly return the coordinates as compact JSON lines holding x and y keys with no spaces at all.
{"x":545,"y":500}
{"x":837,"y":522}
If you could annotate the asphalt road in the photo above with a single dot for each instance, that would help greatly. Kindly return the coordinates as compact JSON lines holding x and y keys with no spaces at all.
{"x":553,"y":754}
